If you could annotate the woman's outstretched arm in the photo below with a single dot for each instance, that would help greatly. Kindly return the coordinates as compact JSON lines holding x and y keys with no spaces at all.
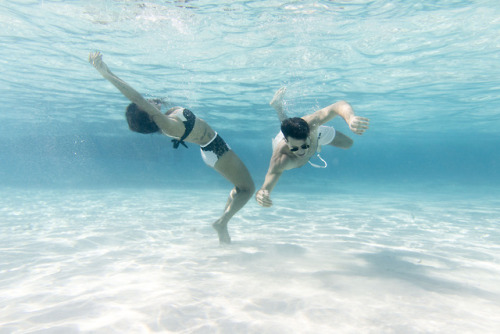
{"x":167,"y":125}
{"x":95,"y":58}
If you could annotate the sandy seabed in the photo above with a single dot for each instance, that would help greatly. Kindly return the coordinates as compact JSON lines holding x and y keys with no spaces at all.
{"x":148,"y":261}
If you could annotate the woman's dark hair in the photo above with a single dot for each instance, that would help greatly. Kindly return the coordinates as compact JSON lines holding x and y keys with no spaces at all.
{"x":139,"y":120}
{"x":295,"y":127}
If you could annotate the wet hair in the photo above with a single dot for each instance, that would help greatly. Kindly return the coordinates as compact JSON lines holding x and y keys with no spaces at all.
{"x":139,"y":121}
{"x":295,"y":127}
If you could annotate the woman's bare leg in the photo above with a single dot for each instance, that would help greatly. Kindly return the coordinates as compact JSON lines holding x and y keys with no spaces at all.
{"x":232,"y":168}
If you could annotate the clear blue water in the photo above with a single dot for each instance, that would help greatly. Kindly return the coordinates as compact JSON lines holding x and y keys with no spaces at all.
{"x":104,"y":230}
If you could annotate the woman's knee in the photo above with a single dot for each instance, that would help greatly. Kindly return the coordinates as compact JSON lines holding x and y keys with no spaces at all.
{"x":246,"y":189}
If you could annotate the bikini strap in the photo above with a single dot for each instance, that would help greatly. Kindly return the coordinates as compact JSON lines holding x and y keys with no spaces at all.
{"x":188,"y":124}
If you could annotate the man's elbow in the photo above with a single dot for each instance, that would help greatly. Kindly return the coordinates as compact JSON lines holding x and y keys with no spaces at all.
{"x":344,"y":107}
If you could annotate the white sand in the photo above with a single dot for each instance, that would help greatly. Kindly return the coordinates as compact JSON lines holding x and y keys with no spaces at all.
{"x":147,"y":261}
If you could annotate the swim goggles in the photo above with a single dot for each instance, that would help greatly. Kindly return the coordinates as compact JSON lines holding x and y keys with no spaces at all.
{"x":295,"y":148}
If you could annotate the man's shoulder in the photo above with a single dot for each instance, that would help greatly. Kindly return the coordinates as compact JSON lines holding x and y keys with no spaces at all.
{"x":281,"y":161}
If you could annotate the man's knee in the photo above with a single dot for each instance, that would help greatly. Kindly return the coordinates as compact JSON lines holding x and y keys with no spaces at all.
{"x":342,"y":142}
{"x":348,"y":143}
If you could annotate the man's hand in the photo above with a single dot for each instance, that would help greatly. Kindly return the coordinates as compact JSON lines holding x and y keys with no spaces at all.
{"x":359,"y":125}
{"x":95,"y":58}
{"x":263,"y":198}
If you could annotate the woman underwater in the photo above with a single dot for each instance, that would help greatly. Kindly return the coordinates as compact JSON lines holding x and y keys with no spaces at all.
{"x":144,"y":116}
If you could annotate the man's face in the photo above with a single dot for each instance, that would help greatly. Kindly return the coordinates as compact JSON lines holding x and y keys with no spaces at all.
{"x":299,"y":147}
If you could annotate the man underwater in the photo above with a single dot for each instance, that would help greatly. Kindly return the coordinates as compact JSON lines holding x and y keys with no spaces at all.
{"x":301,"y":138}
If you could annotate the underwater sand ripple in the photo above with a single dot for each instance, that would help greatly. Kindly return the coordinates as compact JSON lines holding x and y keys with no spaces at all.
{"x":122,"y":260}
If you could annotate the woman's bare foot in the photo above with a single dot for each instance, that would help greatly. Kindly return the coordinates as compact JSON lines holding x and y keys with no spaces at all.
{"x":222,"y":231}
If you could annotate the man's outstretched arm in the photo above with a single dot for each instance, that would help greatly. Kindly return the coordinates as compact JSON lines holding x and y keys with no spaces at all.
{"x":263,"y":195}
{"x":276,"y":168}
{"x":357,"y":124}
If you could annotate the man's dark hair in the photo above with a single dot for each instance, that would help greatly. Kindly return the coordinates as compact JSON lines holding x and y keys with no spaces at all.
{"x":139,"y":121}
{"x":295,"y":127}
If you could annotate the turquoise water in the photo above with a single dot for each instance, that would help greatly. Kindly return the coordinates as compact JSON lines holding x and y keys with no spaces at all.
{"x":104,"y":230}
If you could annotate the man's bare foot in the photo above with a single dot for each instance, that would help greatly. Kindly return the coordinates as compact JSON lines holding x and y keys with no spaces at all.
{"x":222,"y":231}
{"x":277,"y":100}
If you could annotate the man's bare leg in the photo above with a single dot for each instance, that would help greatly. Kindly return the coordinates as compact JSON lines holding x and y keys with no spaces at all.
{"x":341,"y":141}
{"x":278,"y":104}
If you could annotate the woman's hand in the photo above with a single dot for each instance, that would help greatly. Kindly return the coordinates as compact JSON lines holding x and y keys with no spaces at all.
{"x":95,"y":58}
